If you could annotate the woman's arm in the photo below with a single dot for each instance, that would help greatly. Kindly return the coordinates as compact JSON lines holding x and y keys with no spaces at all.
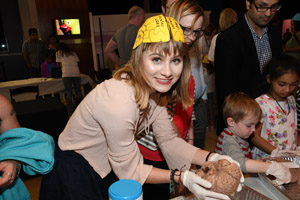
{"x":157,"y":176}
{"x":191,"y":133}
{"x":8,"y":118}
{"x":260,"y":142}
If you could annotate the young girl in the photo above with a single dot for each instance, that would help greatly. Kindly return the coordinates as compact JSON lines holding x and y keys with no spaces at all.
{"x":46,"y":67}
{"x":70,"y":73}
{"x":278,"y":127}
{"x":98,"y":145}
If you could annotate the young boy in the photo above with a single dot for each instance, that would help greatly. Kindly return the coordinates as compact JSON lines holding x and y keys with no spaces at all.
{"x":241,"y":113}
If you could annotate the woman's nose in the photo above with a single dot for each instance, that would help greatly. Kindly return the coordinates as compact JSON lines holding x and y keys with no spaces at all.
{"x":166,"y":70}
{"x":192,"y":37}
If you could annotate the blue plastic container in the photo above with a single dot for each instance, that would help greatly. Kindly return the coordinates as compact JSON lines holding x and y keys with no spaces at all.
{"x":125,"y":189}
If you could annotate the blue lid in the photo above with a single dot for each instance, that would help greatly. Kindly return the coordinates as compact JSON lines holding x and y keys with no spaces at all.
{"x":125,"y":189}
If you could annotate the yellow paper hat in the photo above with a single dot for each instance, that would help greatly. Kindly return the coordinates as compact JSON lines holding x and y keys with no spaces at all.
{"x":159,"y":29}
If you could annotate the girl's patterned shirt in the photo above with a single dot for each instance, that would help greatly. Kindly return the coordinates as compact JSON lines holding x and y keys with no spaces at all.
{"x":279,"y":128}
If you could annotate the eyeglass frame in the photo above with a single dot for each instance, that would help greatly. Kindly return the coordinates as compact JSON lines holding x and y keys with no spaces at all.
{"x":197,"y":33}
{"x":267,"y":8}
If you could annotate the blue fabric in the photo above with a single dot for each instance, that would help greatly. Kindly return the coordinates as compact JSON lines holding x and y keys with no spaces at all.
{"x":50,"y":65}
{"x":296,"y":17}
{"x":34,"y":149}
{"x":200,"y":86}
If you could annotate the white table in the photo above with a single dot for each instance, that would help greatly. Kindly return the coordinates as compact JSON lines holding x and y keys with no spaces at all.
{"x":46,"y":85}
{"x":256,"y":184}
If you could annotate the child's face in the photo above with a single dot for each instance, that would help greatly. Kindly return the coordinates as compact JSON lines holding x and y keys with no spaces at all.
{"x":244,"y":128}
{"x":283,"y":86}
{"x":49,"y":59}
{"x":162,"y":71}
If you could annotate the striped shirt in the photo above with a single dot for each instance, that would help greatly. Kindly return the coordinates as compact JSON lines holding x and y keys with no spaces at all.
{"x":262,"y":45}
{"x":298,"y":108}
{"x":230,"y":144}
{"x":35,"y":51}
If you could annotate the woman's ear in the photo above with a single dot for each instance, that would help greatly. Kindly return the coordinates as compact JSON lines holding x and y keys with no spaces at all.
{"x":268,"y":78}
{"x":230,"y":121}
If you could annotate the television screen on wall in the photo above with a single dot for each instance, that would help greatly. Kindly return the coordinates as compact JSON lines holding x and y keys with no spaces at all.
{"x":67,"y":27}
{"x":3,"y":41}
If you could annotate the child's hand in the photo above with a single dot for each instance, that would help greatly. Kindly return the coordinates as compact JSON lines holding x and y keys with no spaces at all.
{"x":278,"y":153}
{"x":281,"y":171}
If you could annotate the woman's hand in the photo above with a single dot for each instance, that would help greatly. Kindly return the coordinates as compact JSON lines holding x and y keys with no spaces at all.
{"x":10,"y":171}
{"x":197,"y":186}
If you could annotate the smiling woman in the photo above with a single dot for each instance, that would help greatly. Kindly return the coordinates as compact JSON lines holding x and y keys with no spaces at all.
{"x":108,"y":151}
{"x":162,"y":71}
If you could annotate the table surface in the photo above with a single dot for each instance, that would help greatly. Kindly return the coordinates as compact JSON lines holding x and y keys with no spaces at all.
{"x":256,"y":184}
{"x":46,"y":85}
{"x":252,"y":182}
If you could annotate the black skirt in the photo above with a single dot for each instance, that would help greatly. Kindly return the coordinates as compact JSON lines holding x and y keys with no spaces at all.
{"x":73,"y":178}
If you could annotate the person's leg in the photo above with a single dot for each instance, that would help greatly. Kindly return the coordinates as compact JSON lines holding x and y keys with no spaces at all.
{"x":200,"y":111}
{"x":68,"y":91}
{"x":210,"y":109}
{"x":77,"y":88}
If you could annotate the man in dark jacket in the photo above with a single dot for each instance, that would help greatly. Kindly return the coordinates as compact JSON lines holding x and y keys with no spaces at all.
{"x":243,"y":50}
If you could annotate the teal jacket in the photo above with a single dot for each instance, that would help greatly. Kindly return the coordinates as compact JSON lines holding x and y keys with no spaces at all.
{"x":34,"y":149}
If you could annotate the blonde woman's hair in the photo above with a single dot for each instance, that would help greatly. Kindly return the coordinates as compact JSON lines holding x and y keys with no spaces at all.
{"x":182,"y":8}
{"x":240,"y":106}
{"x":135,"y":76}
{"x":228,"y":17}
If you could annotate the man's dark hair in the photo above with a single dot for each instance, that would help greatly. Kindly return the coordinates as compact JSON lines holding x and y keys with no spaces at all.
{"x":32,"y":30}
{"x":251,"y":1}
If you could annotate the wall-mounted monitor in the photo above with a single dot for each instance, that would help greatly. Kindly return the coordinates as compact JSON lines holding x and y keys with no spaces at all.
{"x":66,"y":26}
{"x":3,"y":42}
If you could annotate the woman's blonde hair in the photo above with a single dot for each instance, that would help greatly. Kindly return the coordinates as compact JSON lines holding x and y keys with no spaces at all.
{"x":182,"y":8}
{"x":135,"y":76}
{"x":228,"y":17}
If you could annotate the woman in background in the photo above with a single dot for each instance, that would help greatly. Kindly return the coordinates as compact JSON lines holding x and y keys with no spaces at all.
{"x":70,"y":74}
{"x":190,"y":16}
{"x":228,"y":17}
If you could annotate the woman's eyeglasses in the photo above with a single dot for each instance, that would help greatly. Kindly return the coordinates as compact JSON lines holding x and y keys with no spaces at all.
{"x":188,"y":31}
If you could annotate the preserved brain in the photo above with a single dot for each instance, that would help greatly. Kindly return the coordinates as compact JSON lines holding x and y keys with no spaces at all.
{"x":223,"y":175}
